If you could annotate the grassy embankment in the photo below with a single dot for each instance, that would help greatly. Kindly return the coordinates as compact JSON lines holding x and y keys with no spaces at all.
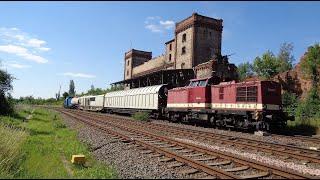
{"x":42,"y":148}
{"x":304,"y":127}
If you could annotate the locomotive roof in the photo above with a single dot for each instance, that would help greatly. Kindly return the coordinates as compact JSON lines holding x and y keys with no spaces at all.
{"x":244,"y":82}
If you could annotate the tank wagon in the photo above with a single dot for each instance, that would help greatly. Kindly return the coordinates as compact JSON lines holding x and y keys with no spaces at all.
{"x":71,"y":102}
{"x":244,"y":105}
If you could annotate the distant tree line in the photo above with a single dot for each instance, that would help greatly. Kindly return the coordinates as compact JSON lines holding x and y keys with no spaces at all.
{"x":71,"y":93}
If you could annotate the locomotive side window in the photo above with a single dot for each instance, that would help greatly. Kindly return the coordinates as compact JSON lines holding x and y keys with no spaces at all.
{"x":221,"y":92}
{"x":241,"y":93}
{"x":247,"y":94}
{"x":92,"y":99}
{"x":252,"y":94}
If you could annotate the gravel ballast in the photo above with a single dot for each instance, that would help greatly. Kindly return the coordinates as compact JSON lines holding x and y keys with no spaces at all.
{"x":130,"y":163}
{"x":264,"y":159}
{"x":126,"y":159}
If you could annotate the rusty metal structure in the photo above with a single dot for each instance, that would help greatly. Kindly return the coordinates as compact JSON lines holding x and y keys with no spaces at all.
{"x":172,"y":77}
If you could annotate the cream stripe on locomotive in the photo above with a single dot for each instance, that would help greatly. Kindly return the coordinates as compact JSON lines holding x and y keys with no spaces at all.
{"x":185,"y":105}
{"x":224,"y":106}
{"x":235,"y":106}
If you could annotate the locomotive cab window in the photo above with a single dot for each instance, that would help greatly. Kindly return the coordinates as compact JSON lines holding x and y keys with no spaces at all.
{"x":198,"y":83}
{"x":194,"y":83}
{"x":202,"y":83}
{"x":92,"y":99}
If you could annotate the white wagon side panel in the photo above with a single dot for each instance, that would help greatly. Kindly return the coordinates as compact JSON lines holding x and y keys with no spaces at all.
{"x":98,"y":101}
{"x":139,"y":98}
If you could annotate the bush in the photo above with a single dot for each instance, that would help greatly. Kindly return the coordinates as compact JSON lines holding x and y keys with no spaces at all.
{"x":290,"y":102}
{"x":6,"y":105}
{"x":141,"y":116}
{"x":304,"y":126}
{"x":310,"y":107}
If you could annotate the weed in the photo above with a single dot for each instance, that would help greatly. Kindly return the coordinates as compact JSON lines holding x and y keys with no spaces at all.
{"x":141,"y":116}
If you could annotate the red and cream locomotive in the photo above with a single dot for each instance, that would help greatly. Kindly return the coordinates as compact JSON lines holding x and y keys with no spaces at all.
{"x":244,"y":105}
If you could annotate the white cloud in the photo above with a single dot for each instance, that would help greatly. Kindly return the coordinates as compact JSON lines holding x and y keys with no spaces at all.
{"x":167,"y":24}
{"x":44,"y":49}
{"x":17,"y":37}
{"x":17,"y":65}
{"x":22,"y":52}
{"x":81,"y":75}
{"x":36,"y":42}
{"x":154,"y":28}
{"x":155,"y":24}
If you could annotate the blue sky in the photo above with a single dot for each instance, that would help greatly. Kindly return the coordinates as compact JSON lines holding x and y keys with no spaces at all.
{"x":45,"y":44}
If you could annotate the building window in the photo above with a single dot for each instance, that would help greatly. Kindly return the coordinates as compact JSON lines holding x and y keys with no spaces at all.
{"x":182,"y":65}
{"x":184,"y":37}
{"x":183,"y":51}
{"x":128,"y":62}
{"x":210,"y":33}
{"x":169,"y":57}
{"x":127,"y":72}
{"x":170,"y":47}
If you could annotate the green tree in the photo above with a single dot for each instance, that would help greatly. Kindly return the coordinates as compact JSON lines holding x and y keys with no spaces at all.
{"x":289,"y":102}
{"x":266,"y":66}
{"x":285,"y":57}
{"x":309,"y":108}
{"x":310,"y":68}
{"x":6,"y":105}
{"x":65,"y":95}
{"x":244,"y":70}
{"x":72,"y":89}
{"x":311,"y":64}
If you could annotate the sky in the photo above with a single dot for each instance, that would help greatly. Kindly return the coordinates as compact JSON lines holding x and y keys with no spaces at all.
{"x":46,"y":44}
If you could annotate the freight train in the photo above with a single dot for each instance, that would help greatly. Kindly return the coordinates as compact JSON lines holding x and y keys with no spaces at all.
{"x":245,"y":105}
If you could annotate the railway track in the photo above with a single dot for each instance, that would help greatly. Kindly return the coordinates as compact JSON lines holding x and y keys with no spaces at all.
{"x":301,"y":138}
{"x":199,"y":158}
{"x":284,"y":152}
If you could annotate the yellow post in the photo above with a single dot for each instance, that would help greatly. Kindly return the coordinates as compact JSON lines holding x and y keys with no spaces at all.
{"x":78,"y":159}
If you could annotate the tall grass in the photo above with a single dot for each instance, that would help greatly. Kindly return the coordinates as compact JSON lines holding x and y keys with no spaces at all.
{"x":11,"y":154}
{"x":42,"y":148}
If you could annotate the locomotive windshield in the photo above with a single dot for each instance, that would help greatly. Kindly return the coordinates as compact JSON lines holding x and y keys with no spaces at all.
{"x":203,"y":83}
{"x":198,"y":83}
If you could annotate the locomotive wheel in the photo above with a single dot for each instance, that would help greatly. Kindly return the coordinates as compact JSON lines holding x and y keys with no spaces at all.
{"x":262,"y":126}
{"x":173,"y":118}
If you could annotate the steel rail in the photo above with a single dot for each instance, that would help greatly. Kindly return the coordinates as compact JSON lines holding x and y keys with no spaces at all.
{"x":276,"y":170}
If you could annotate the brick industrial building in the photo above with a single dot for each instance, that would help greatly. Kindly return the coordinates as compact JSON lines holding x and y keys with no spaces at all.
{"x":195,"y":51}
